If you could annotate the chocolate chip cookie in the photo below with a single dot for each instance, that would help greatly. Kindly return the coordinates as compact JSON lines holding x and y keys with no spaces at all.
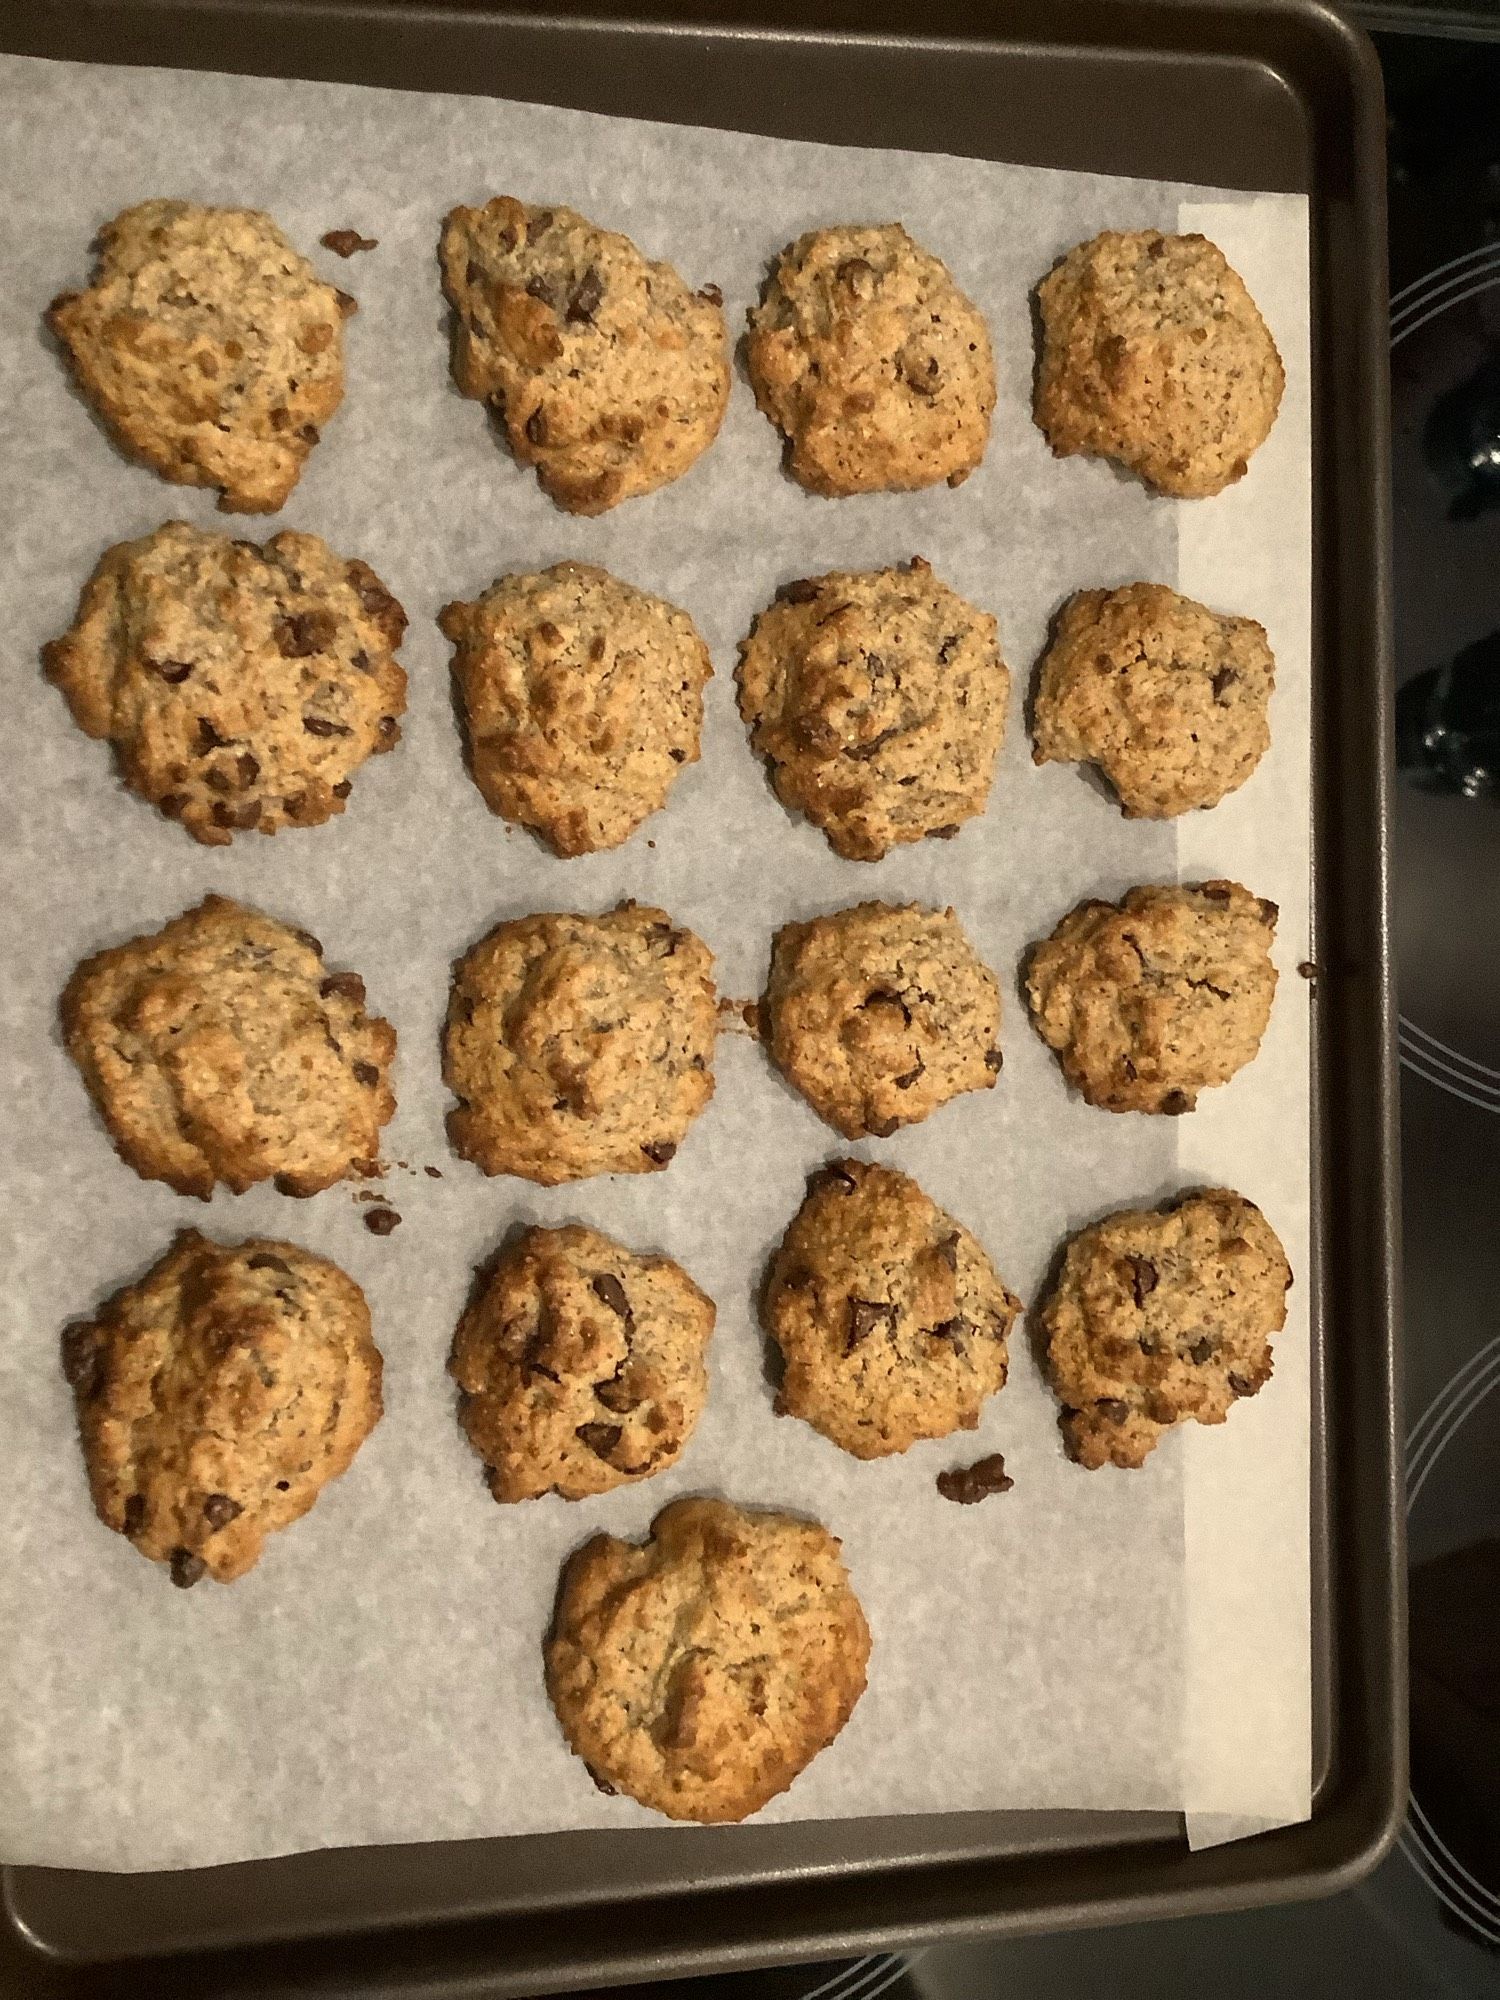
{"x":221,"y":1050}
{"x":213,"y":351}
{"x":607,"y":372}
{"x":872,"y":363}
{"x":580,"y":1045}
{"x":1161,"y":1315}
{"x":581,"y":1364}
{"x":702,"y":1671}
{"x":1154,"y":353}
{"x":582,"y":700}
{"x":880,"y":1014}
{"x":1152,"y":999}
{"x":891,"y":1319}
{"x":878,"y":698}
{"x":1168,"y":698}
{"x":242,"y":687}
{"x":218,"y":1395}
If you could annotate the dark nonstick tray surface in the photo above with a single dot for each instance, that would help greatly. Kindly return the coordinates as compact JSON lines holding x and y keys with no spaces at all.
{"x":1265,"y":94}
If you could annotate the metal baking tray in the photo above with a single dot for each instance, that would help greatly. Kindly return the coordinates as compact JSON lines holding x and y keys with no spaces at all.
{"x":1264,"y":94}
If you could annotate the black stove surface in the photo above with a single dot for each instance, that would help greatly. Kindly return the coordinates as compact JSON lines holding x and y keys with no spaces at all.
{"x":1427,"y":1923}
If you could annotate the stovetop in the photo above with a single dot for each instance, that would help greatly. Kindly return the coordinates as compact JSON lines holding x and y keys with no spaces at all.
{"x":1427,"y":1923}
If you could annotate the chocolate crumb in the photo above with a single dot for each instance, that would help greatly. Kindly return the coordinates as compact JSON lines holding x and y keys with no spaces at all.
{"x":660,"y":1151}
{"x":381,"y":1221}
{"x":967,"y":1484}
{"x":186,"y":1568}
{"x":346,"y":242}
{"x":1308,"y":969}
{"x":433,"y":1173}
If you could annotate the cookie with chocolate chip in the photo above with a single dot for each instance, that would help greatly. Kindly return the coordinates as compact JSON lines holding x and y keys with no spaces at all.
{"x":212,"y":350}
{"x":608,"y":373}
{"x":581,"y":1364}
{"x":218,"y":1395}
{"x":1161,"y":1316}
{"x":580,"y":1045}
{"x":221,"y":1051}
{"x":872,"y":363}
{"x":241,"y":686}
{"x":880,"y":1014}
{"x":701,"y":1671}
{"x":890,"y":1318}
{"x":1150,"y":1000}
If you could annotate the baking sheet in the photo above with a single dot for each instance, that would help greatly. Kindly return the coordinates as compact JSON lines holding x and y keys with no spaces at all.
{"x":1093,"y":1640}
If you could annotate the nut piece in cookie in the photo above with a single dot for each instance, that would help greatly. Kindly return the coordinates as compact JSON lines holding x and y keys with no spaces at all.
{"x":1168,"y":698}
{"x":581,"y":1364}
{"x":580,"y":1045}
{"x":880,"y":1014}
{"x":218,"y":1395}
{"x":582,"y":700}
{"x":703,"y":1670}
{"x":872,"y":363}
{"x":213,"y":351}
{"x":242,"y":687}
{"x":221,"y":1050}
{"x":891,"y":1319}
{"x":1161,"y":1315}
{"x":1152,"y":999}
{"x":1154,"y":353}
{"x":878,"y":698}
{"x":608,"y":373}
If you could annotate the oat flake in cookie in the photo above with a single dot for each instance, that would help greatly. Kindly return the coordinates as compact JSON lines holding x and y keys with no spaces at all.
{"x":218,"y":1395}
{"x":878,"y":698}
{"x":872,"y":363}
{"x":580,"y":1364}
{"x":1159,"y":1316}
{"x":1152,"y":999}
{"x":213,"y":351}
{"x":242,"y":687}
{"x":891,"y":1319}
{"x":608,"y":373}
{"x":1168,"y":698}
{"x":703,"y":1670}
{"x":580,"y":1045}
{"x":582,"y":700}
{"x":220,"y":1050}
{"x":1154,"y":354}
{"x":880,"y":1014}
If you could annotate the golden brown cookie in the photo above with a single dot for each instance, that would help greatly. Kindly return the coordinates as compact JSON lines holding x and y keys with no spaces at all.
{"x":214,"y":352}
{"x":878,"y":698}
{"x":580,"y":1045}
{"x":704,"y":1670}
{"x":582,"y":699}
{"x":1154,"y":353}
{"x":880,"y":1014}
{"x":872,"y":363}
{"x":1168,"y":698}
{"x":221,"y":1050}
{"x":1152,"y":999}
{"x":1161,"y":1315}
{"x":608,"y":374}
{"x":892,"y":1320}
{"x":241,"y":686}
{"x":218,"y":1395}
{"x":581,"y":1364}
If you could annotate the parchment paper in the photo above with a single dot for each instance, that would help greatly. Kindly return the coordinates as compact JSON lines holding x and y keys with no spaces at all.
{"x":1094,"y":1640}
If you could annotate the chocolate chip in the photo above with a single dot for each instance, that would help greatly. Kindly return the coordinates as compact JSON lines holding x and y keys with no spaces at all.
{"x":864,"y":1316}
{"x":545,"y":290}
{"x":536,"y":426}
{"x":538,"y":224}
{"x":1240,"y":1386}
{"x":186,"y":1568}
{"x":1215,"y":892}
{"x":616,"y":1394}
{"x":863,"y":752}
{"x":858,"y":273}
{"x":304,"y":633}
{"x":805,"y":590}
{"x":660,"y":1151}
{"x":835,"y":1175}
{"x":346,"y":242}
{"x":135,"y":1513}
{"x":381,"y":1221}
{"x":173,"y":671}
{"x":342,"y":791}
{"x":209,"y":737}
{"x":247,"y":768}
{"x":948,"y":1329}
{"x":1142,"y":1278}
{"x":601,"y":1784}
{"x":242,"y":818}
{"x":80,"y":1361}
{"x":347,"y":984}
{"x":309,"y":433}
{"x":1176,"y":1102}
{"x":994,"y":1062}
{"x":306,"y":937}
{"x":947,"y":649}
{"x":1203,"y":1350}
{"x":586,"y":298}
{"x":677,"y":756}
{"x":967,"y":1484}
{"x":906,"y":1082}
{"x":219,"y":1510}
{"x":601,"y":1439}
{"x":712,"y":293}
{"x":1224,"y":680}
{"x":389,"y":729}
{"x":472,"y":273}
{"x":1307,"y":969}
{"x":944,"y":832}
{"x":264,"y":1261}
{"x":367,"y":1074}
{"x":948,"y":1251}
{"x":608,"y":1288}
{"x":319,"y":725}
{"x":348,"y":307}
{"x":283,"y":1486}
{"x":1111,"y":1410}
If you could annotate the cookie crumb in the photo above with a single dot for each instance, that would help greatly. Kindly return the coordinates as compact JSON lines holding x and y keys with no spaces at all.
{"x":381,"y":1221}
{"x":346,"y":242}
{"x":740,"y":1017}
{"x":967,"y":1484}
